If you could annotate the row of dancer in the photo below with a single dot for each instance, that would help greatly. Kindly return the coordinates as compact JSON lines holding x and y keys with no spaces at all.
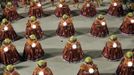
{"x":72,"y":51}
{"x":65,"y":28}
{"x":88,"y":9}
{"x":113,"y":44}
{"x":125,"y":67}
{"x":75,"y":2}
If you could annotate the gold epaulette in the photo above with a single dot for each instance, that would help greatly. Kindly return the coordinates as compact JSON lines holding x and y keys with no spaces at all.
{"x":82,"y":67}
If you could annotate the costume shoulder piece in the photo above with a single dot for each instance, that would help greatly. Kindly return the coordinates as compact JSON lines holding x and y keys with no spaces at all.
{"x":82,"y":67}
{"x":48,"y":70}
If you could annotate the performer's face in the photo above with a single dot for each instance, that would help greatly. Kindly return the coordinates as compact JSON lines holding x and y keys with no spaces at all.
{"x":32,"y":20}
{"x":62,"y":1}
{"x":33,"y":39}
{"x":6,"y":43}
{"x":130,"y":16}
{"x":115,"y":39}
{"x":128,"y":58}
{"x":11,"y":70}
{"x":42,"y":66}
{"x":89,"y":63}
{"x":100,"y":18}
{"x":65,"y":18}
{"x":87,"y":0}
{"x":6,"y":22}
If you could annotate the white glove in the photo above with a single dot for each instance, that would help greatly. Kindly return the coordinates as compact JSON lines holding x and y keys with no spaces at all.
{"x":34,"y":26}
{"x":114,"y":45}
{"x":5,"y":49}
{"x":41,"y":73}
{"x":33,"y":45}
{"x":5,"y":28}
{"x":132,"y":21}
{"x":91,"y":70}
{"x":60,"y":5}
{"x":39,"y":5}
{"x":115,"y":4}
{"x":65,"y":24}
{"x":103,"y":23}
{"x":88,"y":5}
{"x":130,"y":64}
{"x":74,"y":46}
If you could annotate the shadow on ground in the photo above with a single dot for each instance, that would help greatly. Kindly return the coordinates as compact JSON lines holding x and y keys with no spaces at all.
{"x":1,"y":73}
{"x":49,"y":33}
{"x":79,"y":31}
{"x":93,"y":53}
{"x":107,"y":74}
{"x":21,"y":67}
{"x":52,"y":52}
{"x":98,"y":53}
{"x":75,"y":13}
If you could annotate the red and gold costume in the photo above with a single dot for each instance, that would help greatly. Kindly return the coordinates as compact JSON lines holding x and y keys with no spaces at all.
{"x":65,"y":27}
{"x":72,"y":51}
{"x":98,"y":2}
{"x":42,"y":69}
{"x":99,"y":27}
{"x":10,"y":12}
{"x":76,"y":1}
{"x":8,"y":53}
{"x":116,"y":8}
{"x":33,"y":49}
{"x":52,"y":1}
{"x":126,"y":67}
{"x":88,"y":68}
{"x":88,"y":9}
{"x":33,"y":27}
{"x":62,"y":9}
{"x":128,"y":24}
{"x":10,"y":70}
{"x":23,"y":2}
{"x":35,"y":9}
{"x":113,"y":49}
{"x":7,"y":31}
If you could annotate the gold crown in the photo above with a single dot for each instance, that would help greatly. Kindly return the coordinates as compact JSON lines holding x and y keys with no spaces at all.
{"x":88,"y":59}
{"x":33,"y":37}
{"x":113,"y":37}
{"x":65,"y":16}
{"x":7,"y":41}
{"x":129,"y":54}
{"x":4,"y":20}
{"x":9,"y":67}
{"x":33,"y":18}
{"x":41,"y":62}
{"x":9,"y":3}
{"x":100,"y":16}
{"x":130,"y":14}
{"x":72,"y":39}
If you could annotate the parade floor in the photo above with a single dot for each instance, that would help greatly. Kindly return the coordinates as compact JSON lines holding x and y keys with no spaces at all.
{"x":53,"y":44}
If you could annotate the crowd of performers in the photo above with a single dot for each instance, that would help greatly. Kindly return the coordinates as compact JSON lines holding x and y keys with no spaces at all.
{"x":88,"y":9}
{"x":72,"y":51}
{"x":35,"y":8}
{"x":125,"y":67}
